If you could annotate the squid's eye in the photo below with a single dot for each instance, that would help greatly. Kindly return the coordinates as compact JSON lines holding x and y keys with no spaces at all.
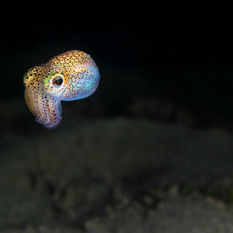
{"x":57,"y":81}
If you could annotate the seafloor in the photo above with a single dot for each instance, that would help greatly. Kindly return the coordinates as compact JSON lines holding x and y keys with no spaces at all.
{"x":113,"y":175}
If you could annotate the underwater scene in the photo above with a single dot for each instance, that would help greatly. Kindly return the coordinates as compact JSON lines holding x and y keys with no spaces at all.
{"x":116,"y":120}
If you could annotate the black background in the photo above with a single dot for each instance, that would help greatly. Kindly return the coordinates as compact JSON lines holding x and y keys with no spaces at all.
{"x":181,"y":52}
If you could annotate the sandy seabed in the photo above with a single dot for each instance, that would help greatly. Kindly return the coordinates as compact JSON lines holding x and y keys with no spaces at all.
{"x":115,"y":175}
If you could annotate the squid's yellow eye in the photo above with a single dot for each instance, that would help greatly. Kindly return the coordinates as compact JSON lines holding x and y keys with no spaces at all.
{"x":57,"y":81}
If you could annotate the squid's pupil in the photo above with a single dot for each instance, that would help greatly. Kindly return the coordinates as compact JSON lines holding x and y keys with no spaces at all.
{"x":58,"y":81}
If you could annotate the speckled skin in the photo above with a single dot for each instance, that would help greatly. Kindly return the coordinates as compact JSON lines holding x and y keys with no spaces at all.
{"x":69,"y":76}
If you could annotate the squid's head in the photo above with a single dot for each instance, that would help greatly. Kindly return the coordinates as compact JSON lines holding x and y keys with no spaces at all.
{"x":78,"y":82}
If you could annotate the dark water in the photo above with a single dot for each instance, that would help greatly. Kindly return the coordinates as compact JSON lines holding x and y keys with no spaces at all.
{"x":158,"y":128}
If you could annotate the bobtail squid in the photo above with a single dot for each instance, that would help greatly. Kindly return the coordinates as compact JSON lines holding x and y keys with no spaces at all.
{"x":69,"y":76}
